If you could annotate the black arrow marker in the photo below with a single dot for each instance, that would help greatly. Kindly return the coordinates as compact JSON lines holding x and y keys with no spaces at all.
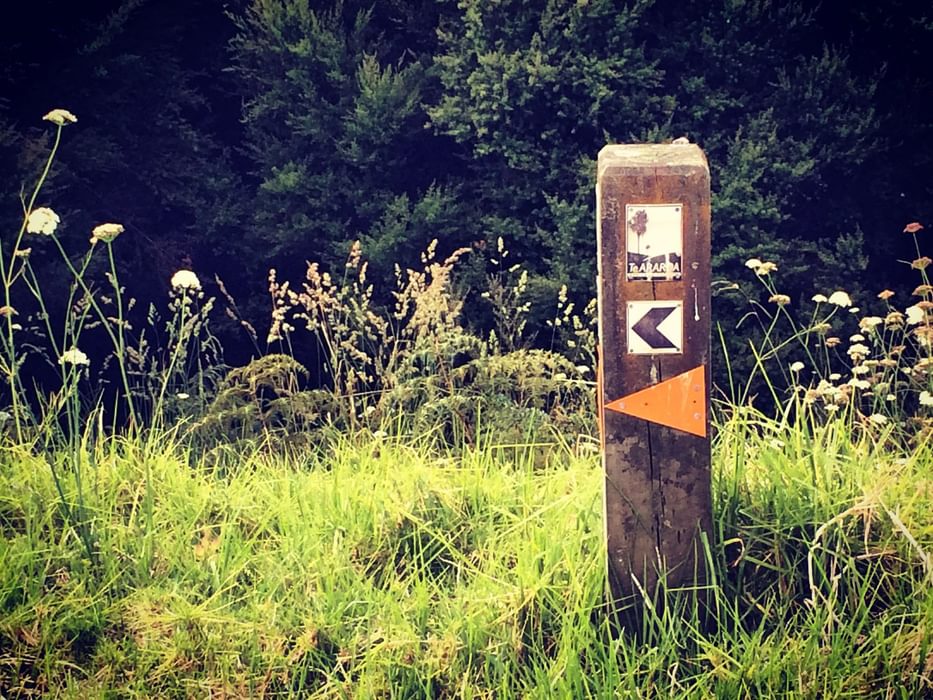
{"x":647,"y":328}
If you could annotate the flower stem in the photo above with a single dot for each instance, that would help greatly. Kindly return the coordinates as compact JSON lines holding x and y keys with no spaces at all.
{"x":6,"y":274}
{"x":121,"y":337}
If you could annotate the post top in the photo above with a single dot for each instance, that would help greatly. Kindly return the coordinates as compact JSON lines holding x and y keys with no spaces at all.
{"x":651,"y":155}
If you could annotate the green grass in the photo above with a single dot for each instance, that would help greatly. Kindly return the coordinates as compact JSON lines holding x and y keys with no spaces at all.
{"x":374,"y":568}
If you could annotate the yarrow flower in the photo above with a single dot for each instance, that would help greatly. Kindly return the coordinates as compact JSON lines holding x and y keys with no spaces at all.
{"x":819,"y":298}
{"x":796,"y":366}
{"x":780,"y":299}
{"x":840,"y":298}
{"x":765,"y":268}
{"x":913,"y":227}
{"x":73,"y":357}
{"x":894,"y":319}
{"x":915,"y":315}
{"x":60,"y":117}
{"x":42,"y":220}
{"x":857,"y":350}
{"x":185,"y":279}
{"x":870,"y":322}
{"x":926,"y":399}
{"x":885,"y":294}
{"x":753,"y":263}
{"x":105,"y":233}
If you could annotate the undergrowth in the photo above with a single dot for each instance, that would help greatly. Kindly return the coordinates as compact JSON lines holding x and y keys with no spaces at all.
{"x":425,"y":519}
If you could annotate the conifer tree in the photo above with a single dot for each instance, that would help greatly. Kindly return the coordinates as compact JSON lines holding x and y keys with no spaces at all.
{"x":335,"y":130}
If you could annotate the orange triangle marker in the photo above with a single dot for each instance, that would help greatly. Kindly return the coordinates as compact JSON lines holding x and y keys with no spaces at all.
{"x":678,"y":402}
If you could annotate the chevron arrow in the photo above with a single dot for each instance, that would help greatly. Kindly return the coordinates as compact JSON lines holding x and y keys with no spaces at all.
{"x":647,"y":328}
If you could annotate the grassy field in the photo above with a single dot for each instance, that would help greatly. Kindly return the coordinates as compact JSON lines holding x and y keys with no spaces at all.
{"x":374,"y":567}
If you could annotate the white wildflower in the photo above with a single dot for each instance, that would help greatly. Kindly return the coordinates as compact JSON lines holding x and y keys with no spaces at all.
{"x":42,"y":220}
{"x":819,"y":298}
{"x":840,"y":298}
{"x":829,"y":392}
{"x":915,"y":315}
{"x":105,"y":233}
{"x":60,"y":117}
{"x":185,"y":279}
{"x":73,"y":357}
{"x":796,"y":366}
{"x":858,"y":383}
{"x":182,"y":395}
{"x":859,"y":370}
{"x":878,"y":418}
{"x":835,"y":377}
{"x":870,"y":322}
{"x":926,"y":399}
{"x":890,"y":397}
{"x":857,"y":338}
{"x":753,"y":263}
{"x":857,"y":350}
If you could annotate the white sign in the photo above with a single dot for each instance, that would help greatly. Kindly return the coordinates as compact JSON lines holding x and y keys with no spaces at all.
{"x":655,"y":327}
{"x":654,"y":241}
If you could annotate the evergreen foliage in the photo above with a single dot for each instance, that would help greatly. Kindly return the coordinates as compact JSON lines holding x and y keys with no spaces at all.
{"x":335,"y":132}
{"x":534,"y":91}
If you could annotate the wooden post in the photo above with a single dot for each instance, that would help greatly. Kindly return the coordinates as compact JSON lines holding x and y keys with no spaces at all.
{"x":653,"y":232}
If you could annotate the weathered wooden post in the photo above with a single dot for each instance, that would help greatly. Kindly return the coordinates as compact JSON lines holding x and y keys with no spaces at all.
{"x":653,"y":232}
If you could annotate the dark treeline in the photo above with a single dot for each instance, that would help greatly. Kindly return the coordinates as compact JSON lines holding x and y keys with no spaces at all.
{"x":230,"y":138}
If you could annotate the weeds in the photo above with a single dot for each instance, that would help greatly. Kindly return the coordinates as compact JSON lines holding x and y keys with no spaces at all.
{"x":427,"y":522}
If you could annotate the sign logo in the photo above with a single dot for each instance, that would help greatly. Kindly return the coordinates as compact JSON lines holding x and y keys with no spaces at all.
{"x":655,"y":327}
{"x":654,"y":242}
{"x":679,"y":403}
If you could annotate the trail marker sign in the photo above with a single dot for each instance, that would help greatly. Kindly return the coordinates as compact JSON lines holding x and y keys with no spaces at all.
{"x":655,"y":327}
{"x":653,"y":237}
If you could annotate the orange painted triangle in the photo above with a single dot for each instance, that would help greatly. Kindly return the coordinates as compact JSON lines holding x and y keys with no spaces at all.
{"x":678,"y":402}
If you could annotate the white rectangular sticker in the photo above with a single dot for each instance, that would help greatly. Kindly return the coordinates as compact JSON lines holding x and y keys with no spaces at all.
{"x":654,"y":241}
